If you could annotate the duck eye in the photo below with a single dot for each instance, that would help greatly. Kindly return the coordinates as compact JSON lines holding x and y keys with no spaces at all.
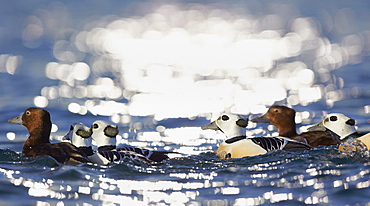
{"x":276,"y":110}
{"x":95,"y":126}
{"x":333,"y":118}
{"x":225,"y":117}
{"x":28,"y":112}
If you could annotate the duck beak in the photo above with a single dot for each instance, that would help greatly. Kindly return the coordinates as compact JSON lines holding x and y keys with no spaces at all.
{"x":318,"y":127}
{"x":67,"y":137}
{"x":211,"y":125}
{"x":261,"y":119}
{"x":16,"y":120}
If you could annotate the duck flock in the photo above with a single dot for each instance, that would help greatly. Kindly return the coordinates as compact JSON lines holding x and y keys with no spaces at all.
{"x":335,"y":130}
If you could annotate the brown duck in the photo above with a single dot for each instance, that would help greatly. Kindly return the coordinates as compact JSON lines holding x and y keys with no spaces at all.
{"x":38,"y":124}
{"x":284,"y":119}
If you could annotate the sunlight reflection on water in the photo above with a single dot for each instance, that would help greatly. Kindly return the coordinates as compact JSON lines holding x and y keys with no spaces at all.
{"x":143,"y":192}
{"x":191,"y":61}
{"x":175,"y":58}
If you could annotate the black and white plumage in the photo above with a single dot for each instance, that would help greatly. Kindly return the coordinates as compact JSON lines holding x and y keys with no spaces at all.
{"x":104,"y":136}
{"x":238,"y":145}
{"x":117,"y":156}
{"x":267,"y":143}
{"x":80,"y":136}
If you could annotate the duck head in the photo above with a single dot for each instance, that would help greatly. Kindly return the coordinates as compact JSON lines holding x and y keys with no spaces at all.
{"x":79,"y":135}
{"x":337,"y":123}
{"x":231,"y":125}
{"x":38,"y":123}
{"x":282,"y":117}
{"x":103,"y":133}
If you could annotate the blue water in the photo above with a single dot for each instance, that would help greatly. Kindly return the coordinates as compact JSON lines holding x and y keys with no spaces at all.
{"x":161,"y":94}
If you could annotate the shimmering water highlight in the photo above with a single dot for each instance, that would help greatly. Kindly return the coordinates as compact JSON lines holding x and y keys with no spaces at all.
{"x":160,"y":70}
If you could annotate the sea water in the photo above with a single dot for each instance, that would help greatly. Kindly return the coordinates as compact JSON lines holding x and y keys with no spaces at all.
{"x":161,"y":70}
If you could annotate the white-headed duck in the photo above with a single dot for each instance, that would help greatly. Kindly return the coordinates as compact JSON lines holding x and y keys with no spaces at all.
{"x":104,"y":136}
{"x":343,"y":127}
{"x":38,"y":123}
{"x":284,"y":119}
{"x":238,"y":145}
{"x":80,"y":136}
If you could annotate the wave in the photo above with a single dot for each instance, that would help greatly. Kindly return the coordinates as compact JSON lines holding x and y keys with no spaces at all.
{"x":12,"y":157}
{"x":9,"y":155}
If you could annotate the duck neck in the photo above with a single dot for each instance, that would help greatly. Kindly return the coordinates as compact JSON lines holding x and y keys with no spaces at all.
{"x":102,"y":141}
{"x":81,"y":142}
{"x":288,"y":131}
{"x":40,"y":134}
{"x":235,"y":132}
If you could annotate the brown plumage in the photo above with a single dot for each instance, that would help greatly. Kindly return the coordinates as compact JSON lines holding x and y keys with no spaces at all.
{"x":38,"y":124}
{"x":284,"y":119}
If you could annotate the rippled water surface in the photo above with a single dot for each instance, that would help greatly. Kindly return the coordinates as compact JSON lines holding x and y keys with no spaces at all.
{"x":160,"y":70}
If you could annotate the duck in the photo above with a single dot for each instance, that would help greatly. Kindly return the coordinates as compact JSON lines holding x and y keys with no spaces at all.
{"x":343,"y":127}
{"x":104,"y":136}
{"x":238,"y":145}
{"x":283,"y":118}
{"x":38,"y":123}
{"x":80,"y":136}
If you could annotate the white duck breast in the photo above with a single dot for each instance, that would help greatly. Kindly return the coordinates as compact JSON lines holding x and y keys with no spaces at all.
{"x":238,"y":145}
{"x":365,"y":139}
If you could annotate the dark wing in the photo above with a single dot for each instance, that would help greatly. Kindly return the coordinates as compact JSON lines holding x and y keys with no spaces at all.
{"x":317,"y":138}
{"x":156,"y":156}
{"x":86,"y":150}
{"x":269,"y":143}
{"x":65,"y":153}
{"x":274,"y":143}
{"x":295,"y":146}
